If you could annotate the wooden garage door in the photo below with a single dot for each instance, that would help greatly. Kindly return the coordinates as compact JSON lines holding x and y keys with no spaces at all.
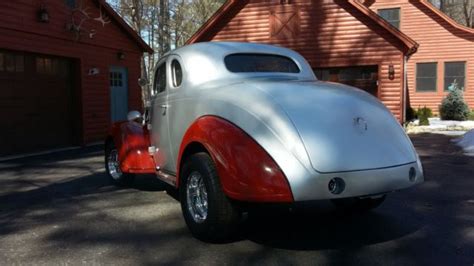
{"x":36,"y":103}
{"x":362,"y":77}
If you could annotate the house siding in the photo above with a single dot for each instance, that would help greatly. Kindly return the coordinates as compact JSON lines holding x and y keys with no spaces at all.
{"x":330,"y":34}
{"x":439,"y":42}
{"x":21,"y":31}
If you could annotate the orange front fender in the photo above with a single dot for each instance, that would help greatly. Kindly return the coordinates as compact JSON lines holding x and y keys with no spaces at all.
{"x":132,"y":140}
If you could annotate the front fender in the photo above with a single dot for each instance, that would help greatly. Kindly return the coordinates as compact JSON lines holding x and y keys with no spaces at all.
{"x":246,"y":170}
{"x":132,"y":141}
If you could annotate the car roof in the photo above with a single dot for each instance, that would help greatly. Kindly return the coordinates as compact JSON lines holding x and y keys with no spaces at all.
{"x":225,"y":48}
{"x":205,"y":61}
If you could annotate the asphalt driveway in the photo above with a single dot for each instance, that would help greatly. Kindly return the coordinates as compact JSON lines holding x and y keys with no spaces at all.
{"x":61,"y":209}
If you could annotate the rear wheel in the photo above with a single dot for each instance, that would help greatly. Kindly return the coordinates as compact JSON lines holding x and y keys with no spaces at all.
{"x":209,"y":214}
{"x":359,"y":204}
{"x":112,"y":167}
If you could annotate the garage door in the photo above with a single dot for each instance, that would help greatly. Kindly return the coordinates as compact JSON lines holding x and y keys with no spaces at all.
{"x":362,"y":77}
{"x":36,"y":103}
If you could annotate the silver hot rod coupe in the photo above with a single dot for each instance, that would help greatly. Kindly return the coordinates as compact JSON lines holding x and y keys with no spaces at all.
{"x":229,"y":123}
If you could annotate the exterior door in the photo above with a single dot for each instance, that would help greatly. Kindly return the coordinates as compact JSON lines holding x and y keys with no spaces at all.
{"x":160,"y":121}
{"x":118,"y":93}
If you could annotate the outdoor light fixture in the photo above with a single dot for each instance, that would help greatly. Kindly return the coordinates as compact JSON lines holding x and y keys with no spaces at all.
{"x":391,"y":72}
{"x":43,"y":15}
{"x":93,"y":71}
{"x":121,"y":55}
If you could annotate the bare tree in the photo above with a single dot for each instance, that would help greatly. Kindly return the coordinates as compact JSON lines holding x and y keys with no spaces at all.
{"x":462,"y":11}
{"x":468,"y":8}
{"x":164,"y":24}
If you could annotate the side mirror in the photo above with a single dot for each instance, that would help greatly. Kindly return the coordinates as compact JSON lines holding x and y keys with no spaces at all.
{"x":133,"y":116}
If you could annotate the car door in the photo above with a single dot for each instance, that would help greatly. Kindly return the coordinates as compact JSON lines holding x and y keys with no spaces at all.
{"x":175,"y":94}
{"x":159,"y":119}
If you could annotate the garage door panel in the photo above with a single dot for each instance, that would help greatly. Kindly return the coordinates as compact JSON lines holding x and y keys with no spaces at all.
{"x":36,"y":104}
{"x":362,"y":77}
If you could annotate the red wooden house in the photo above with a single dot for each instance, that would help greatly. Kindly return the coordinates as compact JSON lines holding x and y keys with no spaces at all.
{"x":68,"y":68}
{"x":347,"y":41}
{"x":445,"y":55}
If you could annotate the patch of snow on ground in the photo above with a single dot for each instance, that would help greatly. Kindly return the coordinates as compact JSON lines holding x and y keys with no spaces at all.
{"x":440,"y":126}
{"x":436,"y":122}
{"x":467,"y":142}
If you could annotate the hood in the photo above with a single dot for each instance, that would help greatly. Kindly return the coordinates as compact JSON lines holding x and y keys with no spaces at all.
{"x":342,"y":128}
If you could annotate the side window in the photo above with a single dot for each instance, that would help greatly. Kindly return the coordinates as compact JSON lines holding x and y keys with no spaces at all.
{"x":177,"y":72}
{"x":11,"y":62}
{"x":391,"y":15}
{"x":70,"y":3}
{"x":160,"y":79}
{"x":426,"y":76}
{"x":454,"y":75}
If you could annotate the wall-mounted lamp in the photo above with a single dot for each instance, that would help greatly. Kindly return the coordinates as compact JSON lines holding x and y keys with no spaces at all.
{"x":43,"y":15}
{"x":121,"y":55}
{"x":391,"y":72}
{"x":93,"y":71}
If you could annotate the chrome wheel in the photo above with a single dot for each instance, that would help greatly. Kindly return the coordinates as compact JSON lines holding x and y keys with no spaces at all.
{"x":114,"y":165}
{"x":196,"y":197}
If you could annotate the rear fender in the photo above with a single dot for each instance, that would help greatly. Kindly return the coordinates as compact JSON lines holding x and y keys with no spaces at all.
{"x":132,"y":140}
{"x":246,"y":170}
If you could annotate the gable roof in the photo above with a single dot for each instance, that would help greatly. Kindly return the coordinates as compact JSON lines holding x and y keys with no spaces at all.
{"x":445,"y":17}
{"x":122,"y":24}
{"x":410,"y":46}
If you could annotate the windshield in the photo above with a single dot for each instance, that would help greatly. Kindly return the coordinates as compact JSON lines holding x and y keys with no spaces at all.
{"x":244,"y":63}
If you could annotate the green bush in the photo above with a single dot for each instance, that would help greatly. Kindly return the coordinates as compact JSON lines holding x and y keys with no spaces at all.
{"x":426,"y":111}
{"x":423,"y":115}
{"x":453,"y":107}
{"x":471,"y":115}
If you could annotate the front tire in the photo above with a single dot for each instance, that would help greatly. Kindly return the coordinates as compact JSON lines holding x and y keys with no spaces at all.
{"x":358,"y":204}
{"x":112,"y":167}
{"x":209,"y":214}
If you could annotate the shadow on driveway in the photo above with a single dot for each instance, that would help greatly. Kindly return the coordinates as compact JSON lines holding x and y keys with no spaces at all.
{"x":61,"y":208}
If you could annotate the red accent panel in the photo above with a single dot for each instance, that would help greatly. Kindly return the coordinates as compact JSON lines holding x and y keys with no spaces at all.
{"x":246,"y":170}
{"x":132,"y":141}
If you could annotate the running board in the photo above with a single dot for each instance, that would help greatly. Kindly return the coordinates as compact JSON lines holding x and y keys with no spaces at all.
{"x":167,"y":178}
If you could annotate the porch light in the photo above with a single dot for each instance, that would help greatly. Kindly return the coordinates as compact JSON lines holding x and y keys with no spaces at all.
{"x":391,"y":72}
{"x":43,"y":15}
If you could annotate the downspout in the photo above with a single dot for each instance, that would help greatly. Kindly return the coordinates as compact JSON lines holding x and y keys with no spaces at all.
{"x":405,"y":89}
{"x":406,"y":92}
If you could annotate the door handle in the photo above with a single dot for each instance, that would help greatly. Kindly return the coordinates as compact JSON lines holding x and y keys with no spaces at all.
{"x":164,"y":107}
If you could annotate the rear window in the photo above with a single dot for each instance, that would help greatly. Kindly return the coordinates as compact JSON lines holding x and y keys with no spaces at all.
{"x":244,"y":63}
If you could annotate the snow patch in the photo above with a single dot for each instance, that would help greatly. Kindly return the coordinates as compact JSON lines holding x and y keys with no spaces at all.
{"x":440,"y":126}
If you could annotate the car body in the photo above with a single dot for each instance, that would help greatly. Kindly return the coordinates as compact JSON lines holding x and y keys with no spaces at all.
{"x":273,"y":132}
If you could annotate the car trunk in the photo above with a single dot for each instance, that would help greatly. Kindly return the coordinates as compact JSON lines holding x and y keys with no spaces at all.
{"x":342,"y":128}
